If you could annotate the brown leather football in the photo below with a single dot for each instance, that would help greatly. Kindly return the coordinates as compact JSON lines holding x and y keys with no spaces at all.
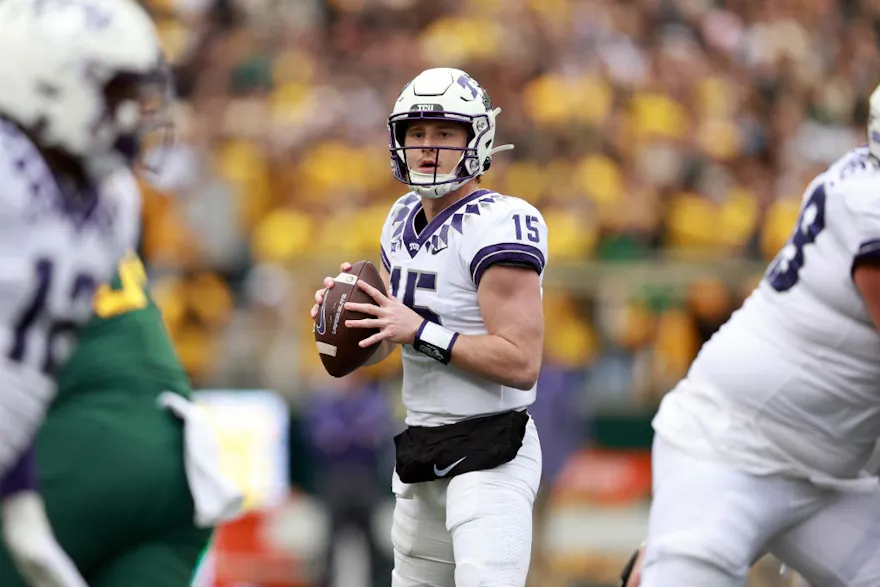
{"x":337,"y":344}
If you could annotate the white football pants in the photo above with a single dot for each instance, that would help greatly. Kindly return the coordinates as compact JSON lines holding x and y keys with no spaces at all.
{"x":472,"y":530}
{"x":710,"y":522}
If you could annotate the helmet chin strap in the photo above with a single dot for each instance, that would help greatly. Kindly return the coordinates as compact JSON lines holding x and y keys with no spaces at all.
{"x":438,"y":191}
{"x":425,"y":179}
{"x":424,"y":184}
{"x":434,"y":191}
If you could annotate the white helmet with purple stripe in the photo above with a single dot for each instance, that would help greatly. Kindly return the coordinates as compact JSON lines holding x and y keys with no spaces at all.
{"x":86,"y":77}
{"x":448,"y":94}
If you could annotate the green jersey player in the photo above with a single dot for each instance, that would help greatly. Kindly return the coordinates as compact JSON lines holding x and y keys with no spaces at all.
{"x":110,"y":459}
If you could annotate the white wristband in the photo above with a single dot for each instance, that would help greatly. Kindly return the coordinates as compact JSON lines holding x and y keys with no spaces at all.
{"x":435,"y":341}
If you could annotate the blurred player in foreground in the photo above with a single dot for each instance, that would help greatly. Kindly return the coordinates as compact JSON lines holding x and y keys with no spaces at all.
{"x":72,"y":81}
{"x":631,"y":576}
{"x":632,"y":573}
{"x":765,"y":446}
{"x":464,"y":268}
{"x":125,"y":462}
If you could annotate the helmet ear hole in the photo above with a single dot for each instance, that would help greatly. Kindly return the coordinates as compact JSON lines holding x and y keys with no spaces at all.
{"x":487,"y":163}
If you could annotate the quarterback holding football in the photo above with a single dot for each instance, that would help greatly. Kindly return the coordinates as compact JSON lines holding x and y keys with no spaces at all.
{"x":463,"y":268}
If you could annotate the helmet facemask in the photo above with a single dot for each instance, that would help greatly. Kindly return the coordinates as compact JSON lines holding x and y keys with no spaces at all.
{"x":436,"y":184}
{"x":450,"y":95}
{"x":137,"y":117}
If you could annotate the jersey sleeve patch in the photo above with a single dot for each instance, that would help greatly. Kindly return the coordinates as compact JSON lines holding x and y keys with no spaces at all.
{"x":507,"y":253}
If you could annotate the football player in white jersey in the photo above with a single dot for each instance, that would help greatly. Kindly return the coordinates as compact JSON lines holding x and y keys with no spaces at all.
{"x":765,"y":445}
{"x":464,"y":268}
{"x":77,"y":81}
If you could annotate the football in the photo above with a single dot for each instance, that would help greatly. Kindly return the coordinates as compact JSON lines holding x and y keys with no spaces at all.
{"x":337,"y":344}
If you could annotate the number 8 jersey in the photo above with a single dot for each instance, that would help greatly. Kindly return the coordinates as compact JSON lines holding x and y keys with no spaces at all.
{"x":55,"y":250}
{"x":791,"y":384}
{"x":435,"y":269}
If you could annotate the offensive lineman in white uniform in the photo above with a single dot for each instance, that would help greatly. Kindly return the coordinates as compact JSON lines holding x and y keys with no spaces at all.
{"x":464,"y":267}
{"x":764,"y":446}
{"x":72,"y":73}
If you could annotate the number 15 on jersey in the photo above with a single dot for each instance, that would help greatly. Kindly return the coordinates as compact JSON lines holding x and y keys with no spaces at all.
{"x":529,"y":224}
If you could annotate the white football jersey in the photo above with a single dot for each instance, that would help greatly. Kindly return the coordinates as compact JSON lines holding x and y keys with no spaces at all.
{"x":436,"y":272}
{"x":791,"y":384}
{"x":54,"y":252}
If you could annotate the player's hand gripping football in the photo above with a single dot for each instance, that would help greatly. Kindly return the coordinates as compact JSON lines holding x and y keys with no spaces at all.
{"x":328,"y":283}
{"x":395,"y":321}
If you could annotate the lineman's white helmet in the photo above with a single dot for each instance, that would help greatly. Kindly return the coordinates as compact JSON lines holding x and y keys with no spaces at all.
{"x":75,"y":73}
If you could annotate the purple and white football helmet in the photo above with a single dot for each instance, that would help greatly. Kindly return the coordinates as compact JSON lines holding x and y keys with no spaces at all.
{"x":449,"y":94}
{"x":86,"y":77}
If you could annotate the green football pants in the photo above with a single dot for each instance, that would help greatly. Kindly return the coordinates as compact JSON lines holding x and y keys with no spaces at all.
{"x":112,"y":475}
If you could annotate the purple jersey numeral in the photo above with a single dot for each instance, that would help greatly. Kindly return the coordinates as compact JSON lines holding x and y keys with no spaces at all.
{"x":43,"y":272}
{"x":82,"y":288}
{"x":531,"y":224}
{"x":783,"y":272}
{"x":415,"y":280}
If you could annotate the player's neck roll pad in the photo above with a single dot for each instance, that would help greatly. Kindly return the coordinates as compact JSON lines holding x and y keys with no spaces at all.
{"x":429,"y":453}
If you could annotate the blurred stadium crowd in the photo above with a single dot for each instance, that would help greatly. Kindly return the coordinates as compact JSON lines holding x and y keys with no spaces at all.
{"x":645,"y":129}
{"x":653,"y":134}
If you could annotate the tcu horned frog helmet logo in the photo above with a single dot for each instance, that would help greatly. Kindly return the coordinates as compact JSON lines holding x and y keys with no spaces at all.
{"x":448,"y":94}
